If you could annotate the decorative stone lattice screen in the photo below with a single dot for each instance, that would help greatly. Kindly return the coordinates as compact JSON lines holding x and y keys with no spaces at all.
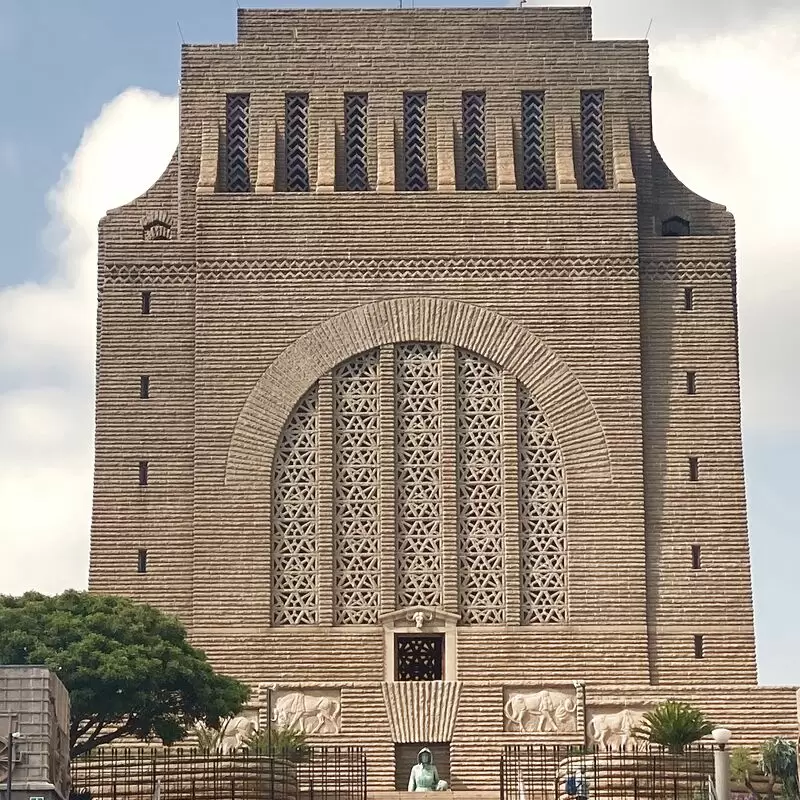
{"x":415,"y":141}
{"x":355,"y":142}
{"x":478,"y":498}
{"x":296,"y":137}
{"x":237,"y":132}
{"x":533,"y":171}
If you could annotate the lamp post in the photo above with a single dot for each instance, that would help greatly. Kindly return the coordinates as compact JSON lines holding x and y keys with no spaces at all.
{"x":722,"y":763}
{"x":10,"y":754}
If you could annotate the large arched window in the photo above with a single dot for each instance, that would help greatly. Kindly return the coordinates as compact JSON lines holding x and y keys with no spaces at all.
{"x":433,"y":479}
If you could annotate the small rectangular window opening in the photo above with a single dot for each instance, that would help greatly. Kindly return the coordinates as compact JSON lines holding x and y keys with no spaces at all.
{"x":696,"y":556}
{"x":144,"y":387}
{"x":141,"y":561}
{"x":143,"y":473}
{"x":698,"y":645}
{"x":691,"y":383}
{"x":694,"y":468}
{"x":688,"y":299}
{"x":146,"y":302}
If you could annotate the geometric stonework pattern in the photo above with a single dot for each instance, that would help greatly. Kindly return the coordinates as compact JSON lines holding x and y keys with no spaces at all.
{"x":479,"y":468}
{"x":533,"y":172}
{"x":592,"y":140}
{"x":294,"y":518}
{"x":237,"y":120}
{"x":415,"y":144}
{"x":418,"y":488}
{"x":356,"y":536}
{"x":355,"y":142}
{"x":542,"y":517}
{"x":296,"y":142}
{"x":473,"y":113}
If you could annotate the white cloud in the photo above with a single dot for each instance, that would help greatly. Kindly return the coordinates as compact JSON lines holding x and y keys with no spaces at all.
{"x":47,"y":349}
{"x":725,"y":120}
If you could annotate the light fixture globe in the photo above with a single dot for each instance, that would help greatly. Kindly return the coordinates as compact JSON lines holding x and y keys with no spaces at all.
{"x":721,"y":736}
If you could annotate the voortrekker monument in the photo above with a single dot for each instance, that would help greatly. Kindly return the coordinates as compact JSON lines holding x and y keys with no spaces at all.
{"x":418,"y":392}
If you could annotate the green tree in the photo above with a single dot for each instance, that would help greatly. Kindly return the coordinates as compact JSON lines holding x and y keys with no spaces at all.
{"x":128,"y":667}
{"x":674,"y":725}
{"x":778,"y":762}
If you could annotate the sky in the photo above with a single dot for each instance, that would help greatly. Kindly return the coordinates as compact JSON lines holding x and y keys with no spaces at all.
{"x":90,"y":120}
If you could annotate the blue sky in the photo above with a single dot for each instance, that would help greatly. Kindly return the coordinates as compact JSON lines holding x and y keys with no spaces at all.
{"x":722,"y":72}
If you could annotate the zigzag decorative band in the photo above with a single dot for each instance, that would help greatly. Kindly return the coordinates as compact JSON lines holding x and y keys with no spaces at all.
{"x":421,"y":269}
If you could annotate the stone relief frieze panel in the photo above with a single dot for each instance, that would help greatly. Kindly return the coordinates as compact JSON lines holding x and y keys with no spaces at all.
{"x":546,"y":710}
{"x":312,"y":711}
{"x":615,"y":728}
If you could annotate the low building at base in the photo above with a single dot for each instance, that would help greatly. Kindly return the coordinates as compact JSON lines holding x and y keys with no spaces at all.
{"x":34,"y":708}
{"x":418,"y":392}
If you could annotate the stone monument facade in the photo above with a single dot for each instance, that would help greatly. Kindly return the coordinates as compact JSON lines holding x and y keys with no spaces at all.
{"x":418,"y":392}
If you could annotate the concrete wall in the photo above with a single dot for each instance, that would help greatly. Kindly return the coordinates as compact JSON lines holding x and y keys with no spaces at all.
{"x":36,"y":703}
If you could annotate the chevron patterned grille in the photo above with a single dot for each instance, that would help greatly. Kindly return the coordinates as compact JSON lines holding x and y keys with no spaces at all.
{"x":592,"y":140}
{"x":297,"y":143}
{"x":355,"y":142}
{"x":473,"y":118}
{"x":237,"y":123}
{"x":533,"y":172}
{"x":415,"y":144}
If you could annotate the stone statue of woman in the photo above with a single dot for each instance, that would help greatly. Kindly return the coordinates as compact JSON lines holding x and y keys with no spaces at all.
{"x":424,"y":775}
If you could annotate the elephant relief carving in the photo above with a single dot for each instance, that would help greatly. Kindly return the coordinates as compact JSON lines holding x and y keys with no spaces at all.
{"x":545,"y":711}
{"x":617,"y":730}
{"x":310,"y":713}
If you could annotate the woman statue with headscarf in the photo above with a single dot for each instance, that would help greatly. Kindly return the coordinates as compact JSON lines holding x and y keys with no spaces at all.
{"x":424,"y":775}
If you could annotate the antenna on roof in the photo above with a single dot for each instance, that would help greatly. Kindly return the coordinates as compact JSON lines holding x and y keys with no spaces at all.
{"x":648,"y":28}
{"x":523,"y":3}
{"x":180,"y":32}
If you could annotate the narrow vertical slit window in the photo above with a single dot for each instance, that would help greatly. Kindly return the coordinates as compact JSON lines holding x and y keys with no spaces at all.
{"x":696,"y":563}
{"x":694,"y":468}
{"x":146,"y":298}
{"x":296,"y":138}
{"x":533,"y":170}
{"x":144,"y":470}
{"x":144,"y":387}
{"x":593,"y":139}
{"x":688,"y":299}
{"x":699,"y":645}
{"x":691,"y":383}
{"x":356,"y":177}
{"x":141,"y":561}
{"x":415,"y":141}
{"x":473,"y":119}
{"x":237,"y":133}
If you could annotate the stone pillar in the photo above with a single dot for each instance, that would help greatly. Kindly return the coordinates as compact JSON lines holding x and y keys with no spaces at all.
{"x":386,"y":477}
{"x":325,"y":501}
{"x":511,"y":498}
{"x":449,"y":478}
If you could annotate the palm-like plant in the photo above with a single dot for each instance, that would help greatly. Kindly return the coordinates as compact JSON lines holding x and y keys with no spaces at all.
{"x":287,"y":742}
{"x":778,"y":762}
{"x":674,"y":725}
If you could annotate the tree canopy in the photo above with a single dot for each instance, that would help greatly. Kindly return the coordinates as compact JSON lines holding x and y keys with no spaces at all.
{"x":128,"y":667}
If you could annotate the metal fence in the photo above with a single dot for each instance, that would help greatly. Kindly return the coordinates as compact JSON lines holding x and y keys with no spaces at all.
{"x":182,"y":773}
{"x":535,"y":772}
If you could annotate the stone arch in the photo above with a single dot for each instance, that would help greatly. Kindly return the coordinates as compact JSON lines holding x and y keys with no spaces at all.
{"x":558,"y":392}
